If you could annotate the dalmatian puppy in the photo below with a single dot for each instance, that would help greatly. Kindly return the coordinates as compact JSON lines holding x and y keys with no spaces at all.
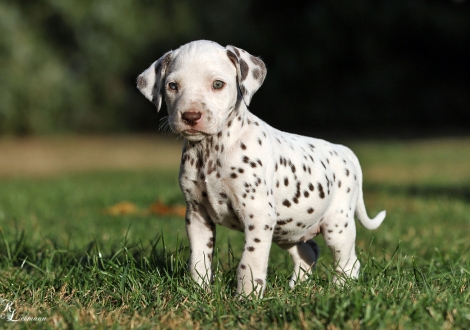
{"x":239,"y":172}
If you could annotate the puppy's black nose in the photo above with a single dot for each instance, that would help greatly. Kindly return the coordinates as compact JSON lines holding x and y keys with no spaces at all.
{"x":191,"y":118}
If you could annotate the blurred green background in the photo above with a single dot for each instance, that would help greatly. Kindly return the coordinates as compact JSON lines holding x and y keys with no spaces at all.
{"x":361,"y":67}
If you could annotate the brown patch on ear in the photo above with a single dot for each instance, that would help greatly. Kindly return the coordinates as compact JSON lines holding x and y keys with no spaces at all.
{"x":256,"y":73}
{"x":243,"y":90}
{"x":237,"y":51}
{"x":164,"y":63}
{"x":158,"y":67}
{"x":232,"y":57}
{"x":243,"y":69}
{"x":257,"y":61}
{"x":141,"y":82}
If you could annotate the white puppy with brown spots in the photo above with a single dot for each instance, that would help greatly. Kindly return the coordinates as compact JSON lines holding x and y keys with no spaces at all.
{"x":239,"y":172}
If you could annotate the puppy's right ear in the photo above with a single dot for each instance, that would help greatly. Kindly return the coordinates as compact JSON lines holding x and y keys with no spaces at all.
{"x":150,"y":81}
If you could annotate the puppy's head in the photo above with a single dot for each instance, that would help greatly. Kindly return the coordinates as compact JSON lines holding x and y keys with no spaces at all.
{"x":201,"y":82}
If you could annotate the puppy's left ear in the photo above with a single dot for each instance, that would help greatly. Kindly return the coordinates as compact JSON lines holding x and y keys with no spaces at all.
{"x":150,"y":82}
{"x":251,"y":71}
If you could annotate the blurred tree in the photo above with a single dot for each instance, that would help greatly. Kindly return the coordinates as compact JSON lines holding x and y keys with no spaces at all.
{"x":63,"y":64}
{"x":71,"y":65}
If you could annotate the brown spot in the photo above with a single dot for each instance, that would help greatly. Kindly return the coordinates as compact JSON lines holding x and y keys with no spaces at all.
{"x":257,"y":240}
{"x":259,"y":281}
{"x":257,"y":61}
{"x":233,"y":175}
{"x":243,"y":69}
{"x":297,"y":194}
{"x":242,"y":266}
{"x":310,"y":186}
{"x":347,"y":172}
{"x":306,"y":194}
{"x":286,"y":203}
{"x":321,"y":192}
{"x":256,"y":73}
{"x":250,"y":248}
{"x":232,"y":56}
{"x":141,"y":82}
{"x":243,"y":90}
{"x":286,"y":181}
{"x":310,"y":210}
{"x":251,"y":227}
{"x":243,"y":146}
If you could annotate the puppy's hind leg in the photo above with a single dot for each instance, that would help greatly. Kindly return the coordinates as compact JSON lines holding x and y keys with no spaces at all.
{"x":340,"y":236}
{"x":304,"y":255}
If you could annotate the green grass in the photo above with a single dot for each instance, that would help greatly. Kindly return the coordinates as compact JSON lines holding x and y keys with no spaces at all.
{"x":64,"y":259}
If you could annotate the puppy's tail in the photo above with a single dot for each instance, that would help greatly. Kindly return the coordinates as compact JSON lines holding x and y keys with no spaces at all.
{"x":361,"y":212}
{"x":362,"y":216}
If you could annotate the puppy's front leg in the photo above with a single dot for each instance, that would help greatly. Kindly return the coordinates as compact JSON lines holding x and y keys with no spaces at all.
{"x":253,"y":266}
{"x":201,"y":234}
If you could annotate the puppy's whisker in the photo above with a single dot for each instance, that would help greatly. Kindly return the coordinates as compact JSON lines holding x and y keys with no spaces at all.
{"x":165,"y":126}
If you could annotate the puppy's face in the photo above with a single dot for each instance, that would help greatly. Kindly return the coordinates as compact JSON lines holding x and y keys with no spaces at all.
{"x":201,"y":82}
{"x":200,"y":89}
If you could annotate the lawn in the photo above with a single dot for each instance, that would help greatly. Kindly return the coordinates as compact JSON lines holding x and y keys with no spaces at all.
{"x":69,"y":263}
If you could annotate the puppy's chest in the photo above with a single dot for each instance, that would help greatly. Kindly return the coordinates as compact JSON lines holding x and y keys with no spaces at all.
{"x":202,"y":183}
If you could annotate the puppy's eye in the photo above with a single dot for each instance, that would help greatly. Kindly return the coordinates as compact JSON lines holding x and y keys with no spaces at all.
{"x":173,"y":86}
{"x":218,"y":84}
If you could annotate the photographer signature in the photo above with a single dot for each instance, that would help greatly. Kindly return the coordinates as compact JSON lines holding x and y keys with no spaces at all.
{"x":8,"y":313}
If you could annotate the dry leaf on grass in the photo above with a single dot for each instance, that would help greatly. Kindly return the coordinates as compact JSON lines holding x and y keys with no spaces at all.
{"x":122,"y":208}
{"x":157,"y":208}
{"x":163,"y":209}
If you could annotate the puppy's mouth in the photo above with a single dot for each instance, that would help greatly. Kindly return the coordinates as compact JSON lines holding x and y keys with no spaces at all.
{"x":193,"y":134}
{"x":191,"y":131}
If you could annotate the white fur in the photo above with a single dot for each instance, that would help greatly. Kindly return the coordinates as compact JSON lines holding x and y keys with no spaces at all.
{"x":239,"y":172}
